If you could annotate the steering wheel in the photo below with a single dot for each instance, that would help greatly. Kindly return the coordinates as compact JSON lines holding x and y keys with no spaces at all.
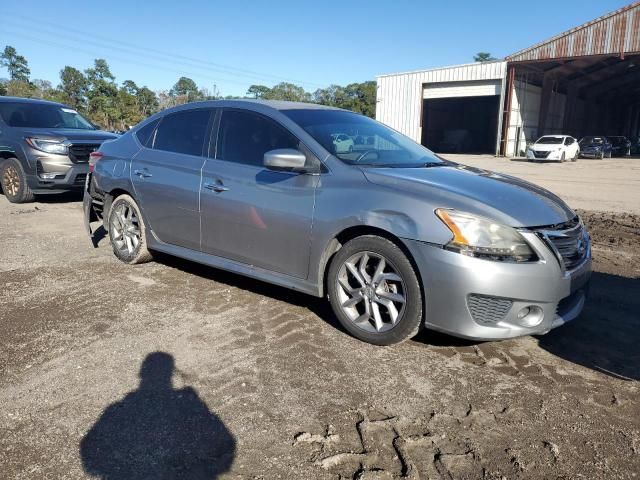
{"x":365,"y":154}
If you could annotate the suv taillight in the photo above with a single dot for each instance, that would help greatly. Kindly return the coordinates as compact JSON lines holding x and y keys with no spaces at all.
{"x":93,"y":158}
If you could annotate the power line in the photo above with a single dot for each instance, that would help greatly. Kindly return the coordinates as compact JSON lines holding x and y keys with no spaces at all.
{"x":86,"y":37}
{"x":125,"y":60}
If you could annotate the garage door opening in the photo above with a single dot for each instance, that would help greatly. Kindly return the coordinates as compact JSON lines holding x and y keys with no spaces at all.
{"x":460,"y":125}
{"x":594,"y":95}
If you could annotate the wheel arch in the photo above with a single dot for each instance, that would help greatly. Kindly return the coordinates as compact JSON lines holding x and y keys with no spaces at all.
{"x":349,"y":233}
{"x":109,"y":197}
{"x":6,"y":155}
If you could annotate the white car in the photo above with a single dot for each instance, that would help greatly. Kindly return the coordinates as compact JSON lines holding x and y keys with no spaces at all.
{"x":342,"y":143}
{"x":554,"y":147}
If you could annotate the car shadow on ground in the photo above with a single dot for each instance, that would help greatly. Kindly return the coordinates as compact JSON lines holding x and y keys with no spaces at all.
{"x":318,"y":306}
{"x":158,"y":431}
{"x":65,"y":197}
{"x":606,"y":337}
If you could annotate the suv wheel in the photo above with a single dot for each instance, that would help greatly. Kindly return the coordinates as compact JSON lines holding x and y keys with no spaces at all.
{"x":374,"y":291}
{"x":14,"y":182}
{"x":126,"y":231}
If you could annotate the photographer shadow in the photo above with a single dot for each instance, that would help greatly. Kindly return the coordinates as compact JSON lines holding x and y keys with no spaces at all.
{"x":157,"y":431}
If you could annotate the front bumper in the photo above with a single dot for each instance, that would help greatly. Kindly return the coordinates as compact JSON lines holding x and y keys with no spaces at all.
{"x":553,"y":155}
{"x":590,"y":154}
{"x":58,"y":177}
{"x":450,"y":280}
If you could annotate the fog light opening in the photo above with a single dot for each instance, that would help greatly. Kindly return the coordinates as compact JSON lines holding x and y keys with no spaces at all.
{"x":51,"y":176}
{"x":530,"y":316}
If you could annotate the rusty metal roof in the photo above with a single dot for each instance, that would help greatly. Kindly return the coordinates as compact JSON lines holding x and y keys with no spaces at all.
{"x":616,"y":33}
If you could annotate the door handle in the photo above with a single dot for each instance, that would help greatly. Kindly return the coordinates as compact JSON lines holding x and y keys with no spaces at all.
{"x":144,"y":173}
{"x":216,"y":187}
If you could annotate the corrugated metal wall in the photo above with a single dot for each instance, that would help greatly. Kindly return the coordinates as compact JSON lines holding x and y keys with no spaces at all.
{"x":399,"y":98}
{"x":613,"y":34}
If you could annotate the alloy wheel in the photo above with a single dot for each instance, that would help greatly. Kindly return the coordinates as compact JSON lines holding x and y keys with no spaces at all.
{"x":11,"y":180}
{"x":371,"y":292}
{"x":125,"y":228}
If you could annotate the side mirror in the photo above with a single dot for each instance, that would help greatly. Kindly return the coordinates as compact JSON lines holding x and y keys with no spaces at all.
{"x":284,"y":159}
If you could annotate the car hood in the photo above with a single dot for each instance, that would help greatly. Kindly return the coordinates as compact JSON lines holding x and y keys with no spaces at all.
{"x":71,"y":134}
{"x":503,"y":198}
{"x":545,"y":147}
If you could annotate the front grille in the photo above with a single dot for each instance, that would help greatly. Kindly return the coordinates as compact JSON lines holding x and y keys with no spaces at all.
{"x":488,"y":310}
{"x":79,"y":153}
{"x":570,"y":245}
{"x":539,"y":154}
{"x":80,"y":179}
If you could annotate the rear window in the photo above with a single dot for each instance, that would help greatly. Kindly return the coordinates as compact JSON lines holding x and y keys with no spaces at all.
{"x":183,"y":132}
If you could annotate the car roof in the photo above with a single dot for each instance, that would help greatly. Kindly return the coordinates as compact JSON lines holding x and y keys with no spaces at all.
{"x":251,"y":104}
{"x":275,"y":104}
{"x":28,"y":100}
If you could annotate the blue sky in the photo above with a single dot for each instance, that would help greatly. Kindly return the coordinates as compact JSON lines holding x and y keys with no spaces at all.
{"x":233,"y":44}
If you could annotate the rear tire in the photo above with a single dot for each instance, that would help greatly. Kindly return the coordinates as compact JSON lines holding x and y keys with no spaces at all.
{"x":127,"y":231}
{"x":14,"y":182}
{"x":374,"y":291}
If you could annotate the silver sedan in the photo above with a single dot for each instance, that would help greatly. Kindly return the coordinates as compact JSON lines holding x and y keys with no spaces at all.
{"x":396,"y":237}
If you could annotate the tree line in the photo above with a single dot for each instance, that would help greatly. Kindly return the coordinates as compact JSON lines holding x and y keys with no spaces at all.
{"x":95,"y":93}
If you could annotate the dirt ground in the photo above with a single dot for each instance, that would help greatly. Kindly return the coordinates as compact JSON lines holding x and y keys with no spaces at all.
{"x":115,"y":371}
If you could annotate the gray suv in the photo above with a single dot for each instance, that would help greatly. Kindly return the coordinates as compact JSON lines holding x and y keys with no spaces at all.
{"x":44,"y":148}
{"x":396,"y":237}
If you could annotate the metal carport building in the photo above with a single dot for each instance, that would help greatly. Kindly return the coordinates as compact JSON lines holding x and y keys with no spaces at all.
{"x":583,"y":81}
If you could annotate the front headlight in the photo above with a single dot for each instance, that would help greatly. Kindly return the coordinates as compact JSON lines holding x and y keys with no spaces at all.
{"x":49,"y":146}
{"x":480,"y":237}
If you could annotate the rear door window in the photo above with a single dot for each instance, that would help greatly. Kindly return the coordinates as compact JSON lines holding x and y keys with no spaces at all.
{"x":244,"y":137}
{"x":144,"y":134}
{"x":183,"y":132}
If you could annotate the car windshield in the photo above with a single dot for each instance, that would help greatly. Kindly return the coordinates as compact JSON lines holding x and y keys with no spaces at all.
{"x":550,"y":140}
{"x":358,"y":140}
{"x":592,"y":141}
{"x":42,"y":115}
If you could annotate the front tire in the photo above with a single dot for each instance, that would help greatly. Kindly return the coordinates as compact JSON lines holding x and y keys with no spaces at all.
{"x":14,"y":182}
{"x":563,"y":158}
{"x":374,"y":291}
{"x":127,"y":231}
